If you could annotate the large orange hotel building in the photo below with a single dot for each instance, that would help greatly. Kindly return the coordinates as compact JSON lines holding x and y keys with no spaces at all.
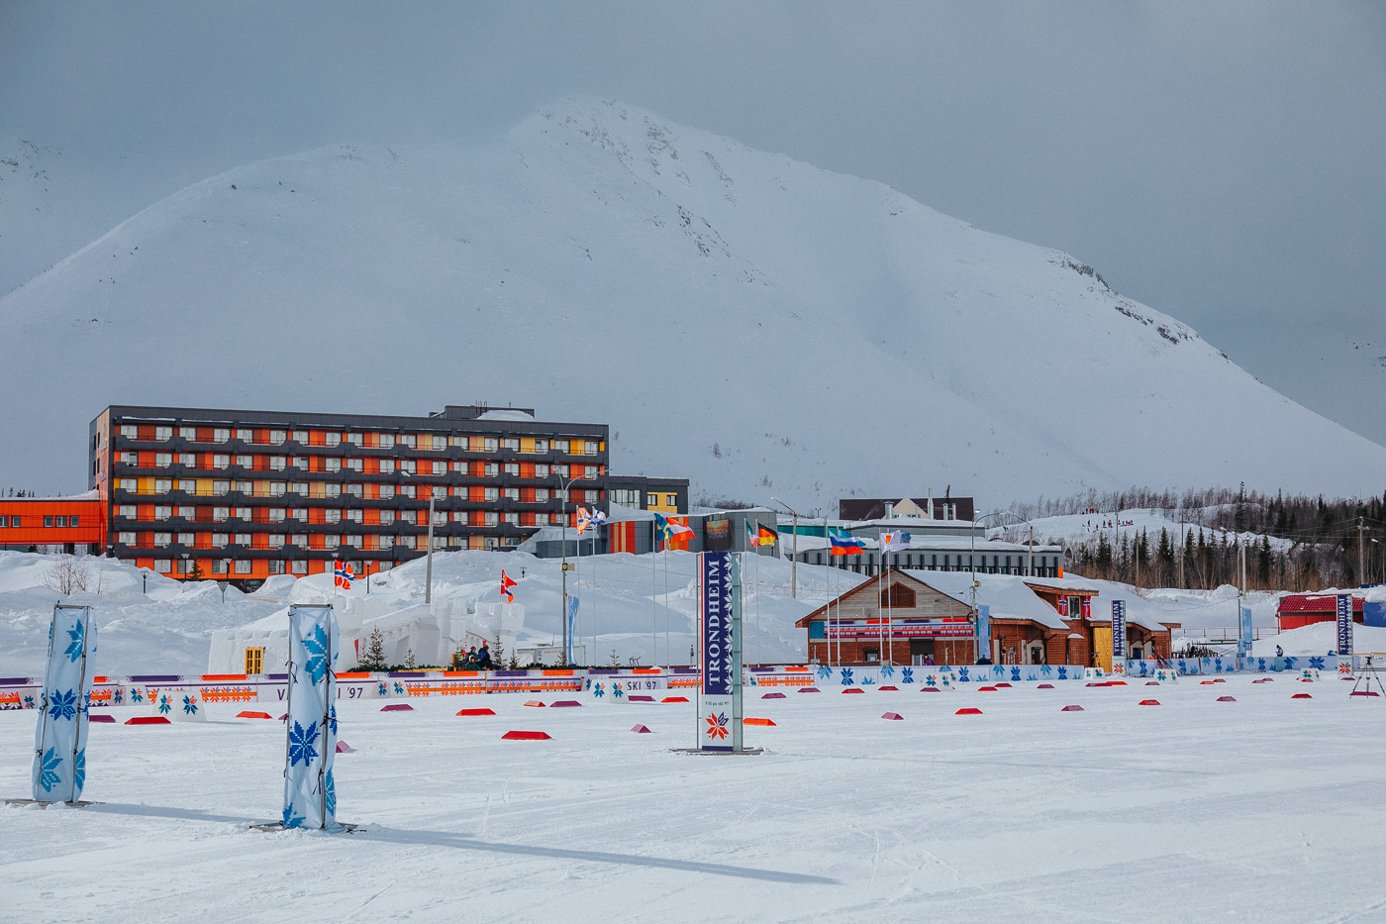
{"x":242,"y":495}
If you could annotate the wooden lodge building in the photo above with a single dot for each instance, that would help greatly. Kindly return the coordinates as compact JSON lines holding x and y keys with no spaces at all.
{"x":923,"y":617}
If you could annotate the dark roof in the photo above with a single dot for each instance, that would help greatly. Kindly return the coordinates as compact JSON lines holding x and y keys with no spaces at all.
{"x":873,"y":508}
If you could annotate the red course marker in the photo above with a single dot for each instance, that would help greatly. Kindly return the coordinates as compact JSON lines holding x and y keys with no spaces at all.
{"x":968,"y":710}
{"x":566,"y":702}
{"x":535,"y":703}
{"x":986,"y":689}
{"x":808,"y":690}
{"x":397,"y":707}
{"x":1150,"y":702}
{"x":253,"y":715}
{"x":754,"y":721}
{"x":889,"y":689}
{"x":1045,"y":686}
{"x":525,"y":736}
{"x":1301,"y":696}
{"x":640,"y":730}
{"x":103,"y":717}
{"x":1000,"y":686}
{"x":147,"y":720}
{"x":852,"y":690}
{"x":482,"y":711}
{"x":892,"y":716}
{"x":1072,"y":708}
{"x":674,"y":699}
{"x":772,"y":695}
{"x":1227,"y":699}
{"x":928,"y":689}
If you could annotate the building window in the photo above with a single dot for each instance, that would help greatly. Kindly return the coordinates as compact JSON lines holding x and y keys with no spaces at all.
{"x":298,"y":567}
{"x":163,"y":513}
{"x":332,"y":465}
{"x":300,"y":436}
{"x":162,"y":539}
{"x":626,"y":497}
{"x":245,"y":487}
{"x":276,"y":437}
{"x":385,"y":542}
{"x":163,"y":565}
{"x":129,"y":431}
{"x":187,"y":433}
{"x":163,"y":459}
{"x":129,"y":458}
{"x":387,"y":441}
{"x":276,"y":540}
{"x":491,"y":518}
{"x":492,"y":493}
{"x":125,"y":538}
{"x":60,"y":522}
{"x":331,"y":490}
{"x":221,"y":514}
{"x":354,"y":541}
{"x":244,"y":435}
{"x":299,"y":462}
{"x":651,"y":499}
{"x":242,"y":539}
{"x":671,"y":500}
{"x":163,"y":434}
{"x":300,"y":514}
{"x":188,"y":539}
{"x":299,"y":487}
{"x":243,"y":566}
{"x":512,"y":494}
{"x":163,"y":485}
{"x":219,"y":541}
{"x":355,"y":465}
{"x":388,"y":491}
{"x":512,"y":469}
{"x":560,"y":446}
{"x":276,"y":566}
{"x":221,"y":460}
{"x":331,"y":516}
{"x":187,"y":459}
{"x":331,"y":542}
{"x":221,"y":565}
{"x":221,"y":435}
{"x":354,"y":439}
{"x":187,"y":485}
{"x":387,"y":467}
{"x":490,"y":470}
{"x":355,"y":516}
{"x":277,"y":463}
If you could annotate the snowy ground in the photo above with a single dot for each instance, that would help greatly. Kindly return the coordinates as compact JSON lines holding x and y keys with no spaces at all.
{"x":1264,"y":809}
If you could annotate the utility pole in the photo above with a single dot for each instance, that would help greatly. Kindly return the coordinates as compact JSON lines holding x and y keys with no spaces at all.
{"x":794,"y":552}
{"x":1361,"y":575}
{"x":1030,"y":557}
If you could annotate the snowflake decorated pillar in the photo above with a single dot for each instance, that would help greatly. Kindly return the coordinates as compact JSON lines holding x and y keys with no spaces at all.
{"x":60,"y":745}
{"x":310,"y":797}
{"x":719,"y":690}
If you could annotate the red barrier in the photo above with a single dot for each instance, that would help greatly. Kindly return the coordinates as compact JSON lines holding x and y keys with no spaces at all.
{"x":809,"y":690}
{"x":754,"y":721}
{"x":253,"y":715}
{"x":640,"y":730}
{"x":892,"y":716}
{"x":1072,"y":708}
{"x":892,"y":689}
{"x":103,"y":717}
{"x":1045,"y":686}
{"x":147,"y":720}
{"x":674,"y":699}
{"x":852,"y":690}
{"x":482,"y":711}
{"x":1227,"y":699}
{"x":968,"y":710}
{"x":1150,"y":702}
{"x":1301,"y":696}
{"x":525,"y":736}
{"x":397,"y":707}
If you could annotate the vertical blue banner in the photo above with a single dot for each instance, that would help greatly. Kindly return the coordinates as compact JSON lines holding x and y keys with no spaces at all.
{"x":1119,"y":636}
{"x":310,"y":794}
{"x":572,"y":628}
{"x":983,"y":631}
{"x":1344,"y":625}
{"x":715,"y":701}
{"x":1244,"y":634}
{"x":60,"y":744}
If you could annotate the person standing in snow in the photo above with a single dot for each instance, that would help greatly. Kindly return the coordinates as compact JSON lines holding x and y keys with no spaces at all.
{"x":483,"y":657}
{"x":1279,"y":652}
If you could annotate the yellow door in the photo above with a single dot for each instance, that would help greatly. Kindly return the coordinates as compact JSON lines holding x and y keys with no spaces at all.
{"x":1102,"y":643}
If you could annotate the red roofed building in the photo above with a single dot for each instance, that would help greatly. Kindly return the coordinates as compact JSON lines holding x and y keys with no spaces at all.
{"x":1296,"y":610}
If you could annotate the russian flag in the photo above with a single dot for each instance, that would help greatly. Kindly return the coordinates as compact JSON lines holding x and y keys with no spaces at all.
{"x":843,"y":544}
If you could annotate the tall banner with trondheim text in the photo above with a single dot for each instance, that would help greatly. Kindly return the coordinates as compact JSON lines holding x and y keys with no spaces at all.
{"x":60,"y":742}
{"x":1118,"y":636}
{"x":715,"y":700}
{"x":310,"y":793}
{"x":1344,"y":625}
{"x":1245,"y":634}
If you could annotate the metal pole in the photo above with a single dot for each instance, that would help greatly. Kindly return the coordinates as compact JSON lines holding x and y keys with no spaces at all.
{"x":329,"y":689}
{"x":563,"y":521}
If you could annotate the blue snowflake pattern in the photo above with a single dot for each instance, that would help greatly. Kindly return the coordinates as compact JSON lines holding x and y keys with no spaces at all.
{"x":332,"y":718}
{"x":290,"y":820}
{"x":616,"y":691}
{"x":399,"y":688}
{"x":382,"y":690}
{"x":118,"y":696}
{"x":1063,"y":672}
{"x":1289,"y":663}
{"x":165,"y":707}
{"x":868,"y":681}
{"x":1015,"y":674}
{"x":888,"y":670}
{"x":1046,"y":670}
{"x":79,"y":770}
{"x":1316,"y":663}
{"x":77,"y":643}
{"x":1260,"y":664}
{"x":136,"y":696}
{"x":824,"y":671}
{"x":598,"y":691}
{"x":189,"y":705}
{"x":63,"y":705}
{"x":962,"y":675}
{"x":998,"y":671}
{"x":316,"y":663}
{"x":846,"y":676}
{"x":907,"y":675}
{"x":29,"y":701}
{"x":48,"y":770}
{"x":330,"y":795}
{"x":930,"y":680}
{"x":303,"y":744}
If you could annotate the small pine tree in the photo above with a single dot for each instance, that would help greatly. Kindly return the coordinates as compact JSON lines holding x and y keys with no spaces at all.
{"x":375,"y":652}
{"x":409,"y":664}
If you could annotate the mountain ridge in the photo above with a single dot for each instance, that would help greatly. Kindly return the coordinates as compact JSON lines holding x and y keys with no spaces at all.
{"x":601,"y":263}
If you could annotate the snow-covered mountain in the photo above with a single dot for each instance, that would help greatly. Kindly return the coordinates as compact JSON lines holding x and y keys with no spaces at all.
{"x":755,"y":323}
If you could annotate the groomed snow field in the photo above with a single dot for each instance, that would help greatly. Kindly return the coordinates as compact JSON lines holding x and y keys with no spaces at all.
{"x":1264,"y":809}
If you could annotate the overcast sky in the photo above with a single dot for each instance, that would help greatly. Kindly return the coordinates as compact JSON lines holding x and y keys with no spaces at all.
{"x":1222,"y":162}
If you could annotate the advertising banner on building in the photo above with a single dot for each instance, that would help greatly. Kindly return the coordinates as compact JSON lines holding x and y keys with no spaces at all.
{"x":1344,"y":624}
{"x":984,"y":631}
{"x":60,"y":744}
{"x":310,"y":794}
{"x":717,"y":534}
{"x":942,"y":627}
{"x":1244,"y":634}
{"x":716,"y":710}
{"x":1118,"y":636}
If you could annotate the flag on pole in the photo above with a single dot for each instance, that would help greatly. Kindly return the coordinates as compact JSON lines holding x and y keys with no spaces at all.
{"x":668,"y":530}
{"x":840,"y":543}
{"x":589,"y":519}
{"x":342,"y":575}
{"x":768,"y":536}
{"x":507,"y":582}
{"x":894,"y":540}
{"x":752,"y":537}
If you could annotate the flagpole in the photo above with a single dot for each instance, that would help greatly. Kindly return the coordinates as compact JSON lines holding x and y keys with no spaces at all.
{"x":654,"y":589}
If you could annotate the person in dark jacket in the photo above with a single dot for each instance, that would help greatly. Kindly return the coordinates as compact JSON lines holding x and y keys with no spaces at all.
{"x":483,"y":657}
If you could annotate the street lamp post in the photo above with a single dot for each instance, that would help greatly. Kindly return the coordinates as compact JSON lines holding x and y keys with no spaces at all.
{"x":563,"y":551}
{"x":972,"y":562}
{"x":794,"y":552}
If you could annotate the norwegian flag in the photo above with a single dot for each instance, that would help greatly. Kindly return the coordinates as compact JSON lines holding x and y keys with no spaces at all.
{"x":507,"y":582}
{"x":341,"y":574}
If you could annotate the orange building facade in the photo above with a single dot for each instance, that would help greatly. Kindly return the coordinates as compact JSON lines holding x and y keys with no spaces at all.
{"x":74,"y":524}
